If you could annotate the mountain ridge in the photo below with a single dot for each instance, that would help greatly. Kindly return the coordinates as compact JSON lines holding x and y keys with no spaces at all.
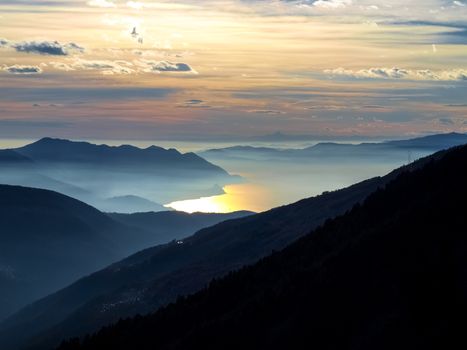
{"x":184,"y":267}
{"x":49,"y":240}
{"x":390,"y":273}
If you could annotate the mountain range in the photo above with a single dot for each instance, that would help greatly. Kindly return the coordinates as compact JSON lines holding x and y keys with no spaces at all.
{"x":112,"y":178}
{"x":410,"y":149}
{"x":48,"y":240}
{"x":390,"y":273}
{"x":156,"y":276}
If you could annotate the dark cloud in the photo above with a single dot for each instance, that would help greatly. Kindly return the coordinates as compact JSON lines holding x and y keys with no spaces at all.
{"x":166,"y":66}
{"x":53,"y":48}
{"x":458,"y":34}
{"x":195,"y":103}
{"x":16,"y":69}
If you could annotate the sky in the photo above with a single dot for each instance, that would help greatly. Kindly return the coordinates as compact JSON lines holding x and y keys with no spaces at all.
{"x":231,"y":69}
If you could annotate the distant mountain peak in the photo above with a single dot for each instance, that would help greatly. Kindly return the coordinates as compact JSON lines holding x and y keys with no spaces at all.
{"x":156,"y":158}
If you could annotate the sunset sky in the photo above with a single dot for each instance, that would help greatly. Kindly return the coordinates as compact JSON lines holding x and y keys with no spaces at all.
{"x":198,"y":70}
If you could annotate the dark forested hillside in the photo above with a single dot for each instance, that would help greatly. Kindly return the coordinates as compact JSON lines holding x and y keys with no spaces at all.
{"x":154,"y":277}
{"x":389,"y":274}
{"x":168,"y":225}
{"x":48,"y":240}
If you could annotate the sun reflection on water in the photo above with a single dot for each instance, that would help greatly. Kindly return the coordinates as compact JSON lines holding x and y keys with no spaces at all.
{"x":245,"y":196}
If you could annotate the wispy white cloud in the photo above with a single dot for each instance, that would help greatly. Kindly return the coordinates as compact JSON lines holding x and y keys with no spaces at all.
{"x":101,"y":3}
{"x":332,"y":4}
{"x":109,"y":67}
{"x":399,"y":73}
{"x":136,"y":5}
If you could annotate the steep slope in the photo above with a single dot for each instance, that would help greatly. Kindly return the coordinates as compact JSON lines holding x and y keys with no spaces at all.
{"x":154,"y":277}
{"x":11,"y":157}
{"x":47,"y":240}
{"x":389,"y":274}
{"x":168,"y":225}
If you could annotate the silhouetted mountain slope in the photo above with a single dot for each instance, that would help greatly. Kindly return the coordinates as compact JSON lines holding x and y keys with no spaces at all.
{"x":9,"y":156}
{"x":154,"y":277}
{"x":168,"y":223}
{"x":48,"y":240}
{"x":48,"y":150}
{"x":438,"y":141}
{"x":130,"y":204}
{"x":389,"y":274}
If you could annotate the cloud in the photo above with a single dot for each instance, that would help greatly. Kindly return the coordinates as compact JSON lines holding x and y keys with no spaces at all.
{"x":3,"y":42}
{"x":446,"y":121}
{"x":332,"y":4}
{"x":109,"y":67}
{"x":166,"y":66}
{"x":101,"y":3}
{"x":62,"y":66}
{"x":136,"y":5}
{"x":106,"y":66}
{"x":53,"y":48}
{"x":17,"y":69}
{"x":266,"y":111}
{"x":195,"y":103}
{"x":400,"y":73}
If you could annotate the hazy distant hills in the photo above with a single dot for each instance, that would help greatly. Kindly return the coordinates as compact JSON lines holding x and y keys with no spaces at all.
{"x":328,"y":151}
{"x":388,"y":274}
{"x":123,"y":178}
{"x":48,"y":240}
{"x":129,"y":204}
{"x":131,"y":158}
{"x":12,"y":157}
{"x":156,"y":276}
{"x":176,"y":221}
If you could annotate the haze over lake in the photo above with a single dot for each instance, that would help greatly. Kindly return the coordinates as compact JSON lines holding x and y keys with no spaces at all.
{"x":267,"y":181}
